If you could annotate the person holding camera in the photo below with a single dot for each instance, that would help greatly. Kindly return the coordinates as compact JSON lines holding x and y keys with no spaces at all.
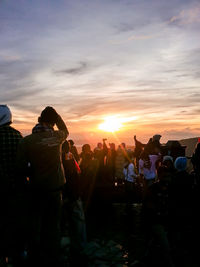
{"x":40,"y":154}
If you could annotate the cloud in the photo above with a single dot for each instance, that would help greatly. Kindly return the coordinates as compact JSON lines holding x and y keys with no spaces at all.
{"x":58,"y":54}
{"x":180,"y":134}
{"x":82,"y":68}
{"x":187,"y":16}
{"x":125,"y":27}
{"x":133,"y":38}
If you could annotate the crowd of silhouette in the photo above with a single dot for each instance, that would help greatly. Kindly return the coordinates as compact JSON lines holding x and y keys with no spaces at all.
{"x":45,"y":184}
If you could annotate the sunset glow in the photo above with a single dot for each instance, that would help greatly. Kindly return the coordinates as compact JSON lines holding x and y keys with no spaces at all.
{"x":124,"y":67}
{"x":111,"y":124}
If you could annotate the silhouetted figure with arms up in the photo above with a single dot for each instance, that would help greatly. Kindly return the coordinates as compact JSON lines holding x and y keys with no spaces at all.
{"x":42,"y":152}
{"x":72,"y":211}
{"x":139,"y":147}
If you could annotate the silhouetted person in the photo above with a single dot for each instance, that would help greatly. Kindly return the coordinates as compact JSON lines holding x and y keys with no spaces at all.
{"x":182,"y":205}
{"x":119,"y":163}
{"x":147,"y":167}
{"x":139,"y":147}
{"x":9,"y":140}
{"x":73,"y":150}
{"x":196,"y":163}
{"x":72,"y":211}
{"x":130,"y":177}
{"x":99,"y":154}
{"x":111,"y":157}
{"x":42,"y":151}
{"x":89,"y":167}
{"x":168,"y":162}
{"x":153,"y":145}
{"x":156,"y":205}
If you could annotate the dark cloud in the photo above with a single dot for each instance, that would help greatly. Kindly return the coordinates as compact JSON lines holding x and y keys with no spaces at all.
{"x":82,"y":68}
{"x":191,"y":112}
{"x":21,"y":99}
{"x":125,"y":27}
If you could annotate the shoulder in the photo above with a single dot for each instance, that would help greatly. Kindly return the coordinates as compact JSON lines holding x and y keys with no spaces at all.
{"x":16,"y":131}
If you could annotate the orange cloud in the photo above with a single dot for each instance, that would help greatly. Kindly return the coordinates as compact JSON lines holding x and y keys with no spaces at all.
{"x":189,"y":16}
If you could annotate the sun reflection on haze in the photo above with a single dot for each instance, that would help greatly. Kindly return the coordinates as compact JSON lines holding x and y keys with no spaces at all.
{"x":113,"y":123}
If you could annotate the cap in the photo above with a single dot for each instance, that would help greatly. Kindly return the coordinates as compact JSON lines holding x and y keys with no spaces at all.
{"x":169,"y":158}
{"x":156,"y":137}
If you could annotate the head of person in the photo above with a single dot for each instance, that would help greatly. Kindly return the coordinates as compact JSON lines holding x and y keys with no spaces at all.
{"x":99,"y":145}
{"x":5,"y":115}
{"x":112,"y":146}
{"x":65,"y":146}
{"x":48,"y":116}
{"x":123,"y":145}
{"x":86,"y":148}
{"x":180,"y":164}
{"x":168,"y":162}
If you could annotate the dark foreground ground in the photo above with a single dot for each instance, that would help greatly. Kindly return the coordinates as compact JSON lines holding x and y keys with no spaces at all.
{"x":116,"y":238}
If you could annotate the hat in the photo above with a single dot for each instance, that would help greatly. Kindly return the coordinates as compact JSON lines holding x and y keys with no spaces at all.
{"x":5,"y":115}
{"x":156,"y":137}
{"x":169,"y":158}
{"x":180,"y":163}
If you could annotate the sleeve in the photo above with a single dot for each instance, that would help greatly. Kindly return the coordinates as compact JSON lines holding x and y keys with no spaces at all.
{"x":62,"y":129}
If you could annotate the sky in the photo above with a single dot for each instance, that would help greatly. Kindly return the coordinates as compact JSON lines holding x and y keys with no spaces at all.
{"x":134,"y":60}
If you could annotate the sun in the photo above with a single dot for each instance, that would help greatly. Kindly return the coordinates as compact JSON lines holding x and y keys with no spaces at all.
{"x":111,"y":124}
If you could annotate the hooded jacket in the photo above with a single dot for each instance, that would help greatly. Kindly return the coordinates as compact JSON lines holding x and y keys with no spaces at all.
{"x":42,"y":152}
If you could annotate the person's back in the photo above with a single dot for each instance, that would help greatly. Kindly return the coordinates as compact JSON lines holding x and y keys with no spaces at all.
{"x":183,"y":208}
{"x":9,"y":140}
{"x":156,"y":215}
{"x":182,"y":191}
{"x":42,"y":151}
